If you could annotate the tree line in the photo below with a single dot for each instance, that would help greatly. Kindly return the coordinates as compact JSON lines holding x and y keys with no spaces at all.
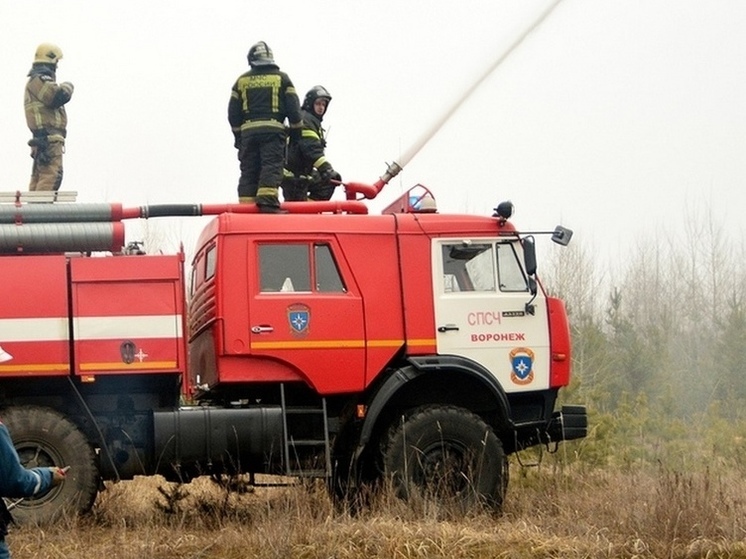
{"x":659,"y":341}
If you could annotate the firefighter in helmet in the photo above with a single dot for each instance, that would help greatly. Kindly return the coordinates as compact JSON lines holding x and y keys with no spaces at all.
{"x":44,"y":103}
{"x":308,"y":174}
{"x":261,"y":100}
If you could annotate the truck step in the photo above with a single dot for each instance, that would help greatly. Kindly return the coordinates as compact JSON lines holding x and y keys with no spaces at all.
{"x":302,"y":450}
{"x":307,"y":442}
{"x":304,"y":410}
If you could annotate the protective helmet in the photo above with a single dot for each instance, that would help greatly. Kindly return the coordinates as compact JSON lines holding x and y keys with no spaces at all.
{"x":47,"y":53}
{"x":260,"y":55}
{"x":316,"y":92}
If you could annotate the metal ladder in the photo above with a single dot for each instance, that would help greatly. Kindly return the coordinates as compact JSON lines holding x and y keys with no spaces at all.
{"x":293,"y":467}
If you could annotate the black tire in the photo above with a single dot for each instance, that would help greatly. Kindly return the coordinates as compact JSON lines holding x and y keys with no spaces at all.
{"x":44,"y":437}
{"x":345,"y":482}
{"x":448,"y":454}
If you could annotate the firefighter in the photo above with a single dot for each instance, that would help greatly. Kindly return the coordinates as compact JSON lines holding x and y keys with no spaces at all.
{"x":308,"y":174}
{"x":44,"y":103}
{"x":261,"y":100}
{"x":17,"y":482}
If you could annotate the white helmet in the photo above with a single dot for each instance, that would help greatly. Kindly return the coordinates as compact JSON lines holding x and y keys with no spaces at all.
{"x":47,"y":53}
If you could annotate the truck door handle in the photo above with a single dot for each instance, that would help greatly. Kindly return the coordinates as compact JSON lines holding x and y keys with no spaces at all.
{"x":447,"y":327}
{"x":261,"y":329}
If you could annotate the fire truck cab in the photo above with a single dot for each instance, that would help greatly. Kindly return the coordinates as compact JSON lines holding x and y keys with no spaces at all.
{"x":382,"y":318}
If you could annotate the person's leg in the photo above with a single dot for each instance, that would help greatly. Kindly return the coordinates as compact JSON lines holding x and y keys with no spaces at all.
{"x":273,"y":161}
{"x":49,"y":176}
{"x":294,"y":189}
{"x":248,"y":155}
{"x":321,"y":191}
{"x":4,"y":551}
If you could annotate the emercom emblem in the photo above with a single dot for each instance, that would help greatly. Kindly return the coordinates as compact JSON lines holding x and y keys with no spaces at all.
{"x":299,"y":318}
{"x":522,"y":365}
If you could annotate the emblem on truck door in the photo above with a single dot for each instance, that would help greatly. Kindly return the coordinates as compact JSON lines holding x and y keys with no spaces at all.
{"x":522,"y":364}
{"x":299,"y":318}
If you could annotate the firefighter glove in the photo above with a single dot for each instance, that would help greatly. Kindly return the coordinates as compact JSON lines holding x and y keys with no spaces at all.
{"x":40,"y":150}
{"x":327,"y":173}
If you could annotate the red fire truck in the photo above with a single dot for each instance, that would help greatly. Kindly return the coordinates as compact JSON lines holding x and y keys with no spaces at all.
{"x":413,"y":346}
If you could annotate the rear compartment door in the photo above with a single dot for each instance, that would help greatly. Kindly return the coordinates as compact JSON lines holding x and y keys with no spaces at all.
{"x":481,"y":292}
{"x":34,"y":316}
{"x":128,"y":315}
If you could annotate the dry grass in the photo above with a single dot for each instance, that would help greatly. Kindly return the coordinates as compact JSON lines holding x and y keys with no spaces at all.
{"x":564,"y":514}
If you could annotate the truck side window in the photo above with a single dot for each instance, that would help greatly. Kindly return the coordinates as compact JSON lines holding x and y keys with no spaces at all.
{"x":284,"y":268}
{"x":193,"y":280}
{"x":210,"y":261}
{"x":509,"y":269}
{"x":468,"y":267}
{"x":328,"y":279}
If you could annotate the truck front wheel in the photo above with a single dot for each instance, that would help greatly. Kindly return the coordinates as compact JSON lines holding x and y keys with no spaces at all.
{"x":44,"y":438}
{"x":446,"y":453}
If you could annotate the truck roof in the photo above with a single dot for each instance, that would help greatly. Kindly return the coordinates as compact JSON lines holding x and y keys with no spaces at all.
{"x":402,"y":223}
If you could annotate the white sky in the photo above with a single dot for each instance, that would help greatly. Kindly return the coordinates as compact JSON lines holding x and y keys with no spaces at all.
{"x":616,"y":117}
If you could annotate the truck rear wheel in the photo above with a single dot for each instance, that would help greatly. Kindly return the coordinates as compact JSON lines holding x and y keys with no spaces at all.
{"x":448,"y":454}
{"x":44,"y":437}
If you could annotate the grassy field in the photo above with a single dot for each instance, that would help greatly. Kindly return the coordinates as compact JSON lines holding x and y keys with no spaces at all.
{"x":549,"y":512}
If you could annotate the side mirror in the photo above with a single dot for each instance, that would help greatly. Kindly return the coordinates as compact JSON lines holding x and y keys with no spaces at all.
{"x":562,"y":235}
{"x":529,"y":255}
{"x":532,"y":287}
{"x":530,"y":308}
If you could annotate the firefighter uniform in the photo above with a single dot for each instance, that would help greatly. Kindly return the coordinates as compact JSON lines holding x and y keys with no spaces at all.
{"x":308,"y":174}
{"x":44,"y":104}
{"x":261,"y":100}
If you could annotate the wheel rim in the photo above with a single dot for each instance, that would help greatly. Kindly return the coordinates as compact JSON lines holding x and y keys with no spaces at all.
{"x":36,"y":454}
{"x":444,"y":469}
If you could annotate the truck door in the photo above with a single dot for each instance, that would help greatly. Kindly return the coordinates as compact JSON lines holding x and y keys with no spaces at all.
{"x":307,"y":314}
{"x":481,"y":292}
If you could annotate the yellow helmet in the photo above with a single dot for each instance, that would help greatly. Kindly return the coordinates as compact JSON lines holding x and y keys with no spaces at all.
{"x":47,"y":53}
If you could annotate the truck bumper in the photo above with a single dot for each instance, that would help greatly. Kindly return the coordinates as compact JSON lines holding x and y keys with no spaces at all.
{"x":568,"y":424}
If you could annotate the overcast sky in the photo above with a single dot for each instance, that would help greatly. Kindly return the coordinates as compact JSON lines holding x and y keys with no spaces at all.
{"x":616,"y":118}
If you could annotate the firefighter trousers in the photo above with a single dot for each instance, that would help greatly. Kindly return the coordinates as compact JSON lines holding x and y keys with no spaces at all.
{"x":46,"y":173}
{"x":299,"y":189}
{"x":262,"y":156}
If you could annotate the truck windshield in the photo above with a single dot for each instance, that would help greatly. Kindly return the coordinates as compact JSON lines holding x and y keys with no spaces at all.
{"x":468,"y":267}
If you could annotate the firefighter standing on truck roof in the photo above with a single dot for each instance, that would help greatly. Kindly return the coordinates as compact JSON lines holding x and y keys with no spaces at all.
{"x":261,"y":100}
{"x":17,"y":481}
{"x":308,"y":174}
{"x":44,"y":103}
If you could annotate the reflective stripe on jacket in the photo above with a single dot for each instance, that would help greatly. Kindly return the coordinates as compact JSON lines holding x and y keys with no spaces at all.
{"x":261,"y":100}
{"x":307,"y":153}
{"x":15,"y":480}
{"x":44,"y":103}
